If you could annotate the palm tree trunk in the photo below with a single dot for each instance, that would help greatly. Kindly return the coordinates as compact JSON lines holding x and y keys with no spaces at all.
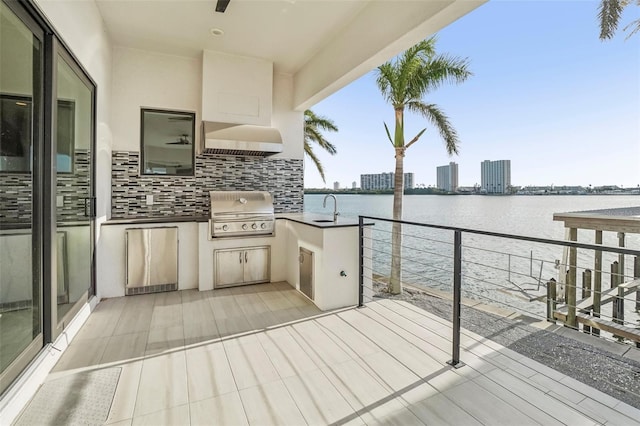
{"x":395,"y":281}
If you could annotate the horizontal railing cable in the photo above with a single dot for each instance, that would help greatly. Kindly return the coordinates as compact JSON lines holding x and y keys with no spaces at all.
{"x":618,"y":250}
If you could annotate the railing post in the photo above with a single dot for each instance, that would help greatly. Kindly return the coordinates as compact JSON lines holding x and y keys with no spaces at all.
{"x":636,"y":275}
{"x":572,"y":281}
{"x":586,"y":292}
{"x":551,"y":300}
{"x":361,"y":262}
{"x":457,"y":298}
{"x":597,"y":282}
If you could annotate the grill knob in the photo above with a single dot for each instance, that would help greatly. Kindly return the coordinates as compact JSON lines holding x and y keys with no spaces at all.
{"x":263,"y":225}
{"x":244,"y":226}
{"x":254,"y":226}
{"x":225,"y":227}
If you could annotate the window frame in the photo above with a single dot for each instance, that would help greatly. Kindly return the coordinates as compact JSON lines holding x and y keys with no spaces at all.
{"x":192,"y":115}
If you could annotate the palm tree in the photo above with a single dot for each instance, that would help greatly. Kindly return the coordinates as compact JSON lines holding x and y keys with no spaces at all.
{"x":403,"y":83}
{"x":313,"y":125}
{"x":609,"y":13}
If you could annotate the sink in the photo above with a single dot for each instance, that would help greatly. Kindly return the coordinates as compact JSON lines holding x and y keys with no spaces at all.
{"x":323,"y":220}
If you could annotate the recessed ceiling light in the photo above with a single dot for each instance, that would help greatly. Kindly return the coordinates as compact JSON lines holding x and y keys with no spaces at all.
{"x":216,"y":32}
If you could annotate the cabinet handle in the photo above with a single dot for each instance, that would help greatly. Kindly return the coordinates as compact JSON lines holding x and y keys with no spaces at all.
{"x":246,"y":253}
{"x":240,"y":257}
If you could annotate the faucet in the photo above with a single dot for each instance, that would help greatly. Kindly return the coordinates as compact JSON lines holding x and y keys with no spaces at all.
{"x":335,"y":206}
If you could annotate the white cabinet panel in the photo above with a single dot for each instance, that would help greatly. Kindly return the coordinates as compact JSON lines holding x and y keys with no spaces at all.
{"x":257,"y":262}
{"x":229,"y":267}
{"x":242,"y":266}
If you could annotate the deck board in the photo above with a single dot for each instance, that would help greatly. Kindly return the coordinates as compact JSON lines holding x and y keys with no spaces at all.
{"x":265,"y":355}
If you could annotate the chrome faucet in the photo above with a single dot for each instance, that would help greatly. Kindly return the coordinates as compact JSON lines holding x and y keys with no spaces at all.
{"x":335,"y":206}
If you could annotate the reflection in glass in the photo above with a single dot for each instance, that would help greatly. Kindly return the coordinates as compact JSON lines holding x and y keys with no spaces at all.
{"x":167,"y":142}
{"x":20,"y":321}
{"x":73,"y":188}
{"x":15,"y":134}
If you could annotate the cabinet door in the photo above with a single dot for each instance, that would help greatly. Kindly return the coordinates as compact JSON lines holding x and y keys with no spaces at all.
{"x":257,"y":266}
{"x":229,"y":267}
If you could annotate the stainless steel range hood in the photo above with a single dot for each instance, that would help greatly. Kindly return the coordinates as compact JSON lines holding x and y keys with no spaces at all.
{"x":240,"y":139}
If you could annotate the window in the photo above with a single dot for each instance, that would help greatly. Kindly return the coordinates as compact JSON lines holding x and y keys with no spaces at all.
{"x":167,"y":139}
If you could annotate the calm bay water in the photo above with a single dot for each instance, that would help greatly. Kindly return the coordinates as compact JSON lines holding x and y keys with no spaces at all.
{"x":520,"y":215}
{"x":494,"y":268}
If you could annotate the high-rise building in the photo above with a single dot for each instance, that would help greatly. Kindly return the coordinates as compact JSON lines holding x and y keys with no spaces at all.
{"x":336,"y":185}
{"x":409,"y":181}
{"x":447,"y":177}
{"x":354,"y":185}
{"x":495,"y":176}
{"x":384,"y":181}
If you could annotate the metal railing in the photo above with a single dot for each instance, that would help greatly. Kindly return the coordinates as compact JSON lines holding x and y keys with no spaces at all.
{"x":508,"y":271}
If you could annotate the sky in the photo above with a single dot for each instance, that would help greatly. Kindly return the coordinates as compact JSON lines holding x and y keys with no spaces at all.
{"x":546,"y":94}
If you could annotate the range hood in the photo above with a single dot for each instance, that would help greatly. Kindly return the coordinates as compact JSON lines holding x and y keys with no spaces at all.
{"x":240,"y":139}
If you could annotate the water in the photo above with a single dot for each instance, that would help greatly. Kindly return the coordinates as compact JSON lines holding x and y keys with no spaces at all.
{"x":494,"y":269}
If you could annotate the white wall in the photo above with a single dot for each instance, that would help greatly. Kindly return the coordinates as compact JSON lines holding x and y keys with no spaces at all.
{"x":286,"y":119}
{"x":153,"y":80}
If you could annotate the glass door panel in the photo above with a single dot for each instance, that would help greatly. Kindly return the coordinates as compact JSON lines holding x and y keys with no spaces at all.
{"x":74,"y":138}
{"x":20,"y":238}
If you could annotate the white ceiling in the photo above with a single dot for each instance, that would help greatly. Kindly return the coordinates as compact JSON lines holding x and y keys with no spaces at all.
{"x":323,"y":44}
{"x":285,"y":32}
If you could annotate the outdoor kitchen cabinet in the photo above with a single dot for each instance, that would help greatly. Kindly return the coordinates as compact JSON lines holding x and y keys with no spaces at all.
{"x":151,"y":260}
{"x":239,"y":266}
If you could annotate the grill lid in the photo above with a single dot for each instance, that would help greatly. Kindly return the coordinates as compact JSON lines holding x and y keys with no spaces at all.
{"x":228,"y":204}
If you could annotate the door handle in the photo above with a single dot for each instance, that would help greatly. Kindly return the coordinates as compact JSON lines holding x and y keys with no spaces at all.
{"x":90,"y":207}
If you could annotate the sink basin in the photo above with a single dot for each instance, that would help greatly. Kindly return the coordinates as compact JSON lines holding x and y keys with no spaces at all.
{"x":323,"y":220}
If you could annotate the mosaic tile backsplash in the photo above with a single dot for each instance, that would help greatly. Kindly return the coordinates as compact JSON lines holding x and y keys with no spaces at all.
{"x":189,"y":195}
{"x":15,"y":197}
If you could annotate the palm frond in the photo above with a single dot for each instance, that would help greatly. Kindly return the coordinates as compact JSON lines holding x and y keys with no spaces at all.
{"x":309,"y":151}
{"x":609,"y":13}
{"x":314,"y":125}
{"x":388,"y":133}
{"x":636,"y":28}
{"x":440,"y":120}
{"x":443,"y":69}
{"x":319,"y":122}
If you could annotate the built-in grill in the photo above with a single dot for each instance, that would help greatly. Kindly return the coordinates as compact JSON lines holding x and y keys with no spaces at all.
{"x":241,"y":213}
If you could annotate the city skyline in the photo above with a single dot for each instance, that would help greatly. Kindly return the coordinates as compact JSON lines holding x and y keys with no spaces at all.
{"x":551,"y":97}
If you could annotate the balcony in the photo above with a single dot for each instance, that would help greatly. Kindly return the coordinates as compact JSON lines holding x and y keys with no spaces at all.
{"x":264,"y":354}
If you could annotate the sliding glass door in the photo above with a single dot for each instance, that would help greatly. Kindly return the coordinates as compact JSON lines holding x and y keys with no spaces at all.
{"x":74,"y":196}
{"x":21,"y":101}
{"x":47,"y":138}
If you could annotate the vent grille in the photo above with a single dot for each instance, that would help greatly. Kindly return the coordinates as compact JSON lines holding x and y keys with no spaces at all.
{"x":217,"y":151}
{"x":130,"y":291}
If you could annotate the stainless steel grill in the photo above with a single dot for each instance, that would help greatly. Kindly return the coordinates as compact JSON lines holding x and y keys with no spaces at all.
{"x":241,"y":213}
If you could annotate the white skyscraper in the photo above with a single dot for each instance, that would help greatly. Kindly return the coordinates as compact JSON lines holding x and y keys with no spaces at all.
{"x":495,"y":176}
{"x":447,"y":177}
{"x":384,"y":181}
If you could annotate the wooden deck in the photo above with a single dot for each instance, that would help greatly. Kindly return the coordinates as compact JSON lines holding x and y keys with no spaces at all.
{"x":264,"y":355}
